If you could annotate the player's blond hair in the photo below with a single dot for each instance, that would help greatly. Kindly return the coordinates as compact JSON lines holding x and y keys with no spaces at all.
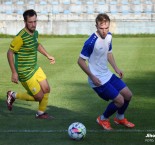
{"x":102,"y":18}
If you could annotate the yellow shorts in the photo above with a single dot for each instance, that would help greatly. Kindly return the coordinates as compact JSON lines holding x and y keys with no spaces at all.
{"x":32,"y":85}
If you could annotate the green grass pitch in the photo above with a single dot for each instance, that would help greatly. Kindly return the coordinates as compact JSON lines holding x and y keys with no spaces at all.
{"x":71,"y":99}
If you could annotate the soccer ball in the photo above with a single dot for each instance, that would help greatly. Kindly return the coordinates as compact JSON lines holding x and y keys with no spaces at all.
{"x":77,"y":131}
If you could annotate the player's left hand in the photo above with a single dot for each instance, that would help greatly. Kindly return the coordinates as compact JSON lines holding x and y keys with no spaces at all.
{"x":52,"y":59}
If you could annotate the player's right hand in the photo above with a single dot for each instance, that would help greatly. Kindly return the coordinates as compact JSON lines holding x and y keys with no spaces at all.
{"x":96,"y":81}
{"x":14,"y":78}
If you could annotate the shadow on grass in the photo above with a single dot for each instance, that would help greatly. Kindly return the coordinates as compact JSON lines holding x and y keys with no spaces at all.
{"x":142,"y":84}
{"x":87,"y":106}
{"x":22,"y":117}
{"x":141,"y":108}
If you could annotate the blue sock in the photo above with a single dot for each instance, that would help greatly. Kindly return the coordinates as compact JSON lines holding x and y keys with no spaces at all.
{"x":111,"y":109}
{"x":124,"y":107}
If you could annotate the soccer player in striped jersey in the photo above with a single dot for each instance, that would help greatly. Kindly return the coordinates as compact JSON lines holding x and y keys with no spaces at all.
{"x":98,"y":51}
{"x":22,"y":58}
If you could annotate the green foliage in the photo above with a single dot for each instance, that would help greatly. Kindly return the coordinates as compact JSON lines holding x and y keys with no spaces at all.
{"x":5,"y":36}
{"x":84,"y":36}
{"x":71,"y":99}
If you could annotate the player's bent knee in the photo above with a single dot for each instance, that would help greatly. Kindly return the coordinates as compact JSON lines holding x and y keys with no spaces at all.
{"x":39,"y":96}
{"x":126,"y":93}
{"x":46,"y":90}
{"x":119,"y":101}
{"x":128,"y":97}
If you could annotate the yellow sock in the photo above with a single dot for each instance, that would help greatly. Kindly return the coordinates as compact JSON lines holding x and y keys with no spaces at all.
{"x":24,"y":96}
{"x":43,"y":103}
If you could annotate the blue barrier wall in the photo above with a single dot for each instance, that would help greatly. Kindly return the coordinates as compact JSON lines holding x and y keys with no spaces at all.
{"x":77,"y":16}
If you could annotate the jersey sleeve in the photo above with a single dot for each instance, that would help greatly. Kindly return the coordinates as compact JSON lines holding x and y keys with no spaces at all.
{"x":110,"y":42}
{"x":110,"y":46}
{"x":16,"y":44}
{"x":88,"y":47}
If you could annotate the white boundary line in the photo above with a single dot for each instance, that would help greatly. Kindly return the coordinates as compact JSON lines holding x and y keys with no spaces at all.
{"x":90,"y":131}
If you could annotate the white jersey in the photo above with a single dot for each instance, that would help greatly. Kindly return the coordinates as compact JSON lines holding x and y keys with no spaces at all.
{"x":96,"y":50}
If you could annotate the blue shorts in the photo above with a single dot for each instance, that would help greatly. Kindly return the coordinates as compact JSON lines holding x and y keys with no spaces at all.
{"x":111,"y":89}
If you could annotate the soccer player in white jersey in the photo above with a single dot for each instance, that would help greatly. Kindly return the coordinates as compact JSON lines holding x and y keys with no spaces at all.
{"x":97,"y":50}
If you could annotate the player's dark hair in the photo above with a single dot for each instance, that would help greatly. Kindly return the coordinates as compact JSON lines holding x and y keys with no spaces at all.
{"x":102,"y":18}
{"x":29,"y":13}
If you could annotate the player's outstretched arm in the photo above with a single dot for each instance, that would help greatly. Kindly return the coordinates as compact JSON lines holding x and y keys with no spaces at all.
{"x":42,"y":50}
{"x":113,"y":64}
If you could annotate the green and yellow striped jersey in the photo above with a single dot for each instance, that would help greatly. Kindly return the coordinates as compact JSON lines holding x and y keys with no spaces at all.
{"x":25,"y":48}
